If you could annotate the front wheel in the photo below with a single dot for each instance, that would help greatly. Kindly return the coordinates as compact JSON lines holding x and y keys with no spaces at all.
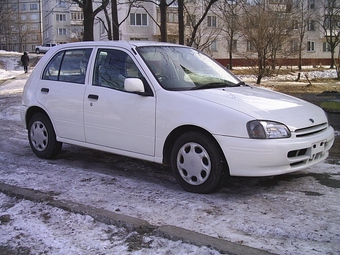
{"x":42,"y":137}
{"x":198,"y":163}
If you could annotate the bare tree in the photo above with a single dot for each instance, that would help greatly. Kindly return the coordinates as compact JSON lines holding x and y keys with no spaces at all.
{"x":89,"y":16}
{"x":111,"y":23}
{"x":301,"y":16}
{"x":329,"y":21}
{"x":192,"y":19}
{"x":6,"y":20}
{"x":228,"y":12}
{"x":266,"y":29}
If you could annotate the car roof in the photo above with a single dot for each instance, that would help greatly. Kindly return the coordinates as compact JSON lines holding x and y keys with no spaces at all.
{"x":124,"y":44}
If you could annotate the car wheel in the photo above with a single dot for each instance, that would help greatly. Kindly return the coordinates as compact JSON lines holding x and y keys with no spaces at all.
{"x":42,"y":137}
{"x":198,"y":163}
{"x":37,"y":51}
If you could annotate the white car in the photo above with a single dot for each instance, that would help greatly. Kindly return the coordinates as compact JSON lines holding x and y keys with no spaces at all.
{"x":44,"y":48}
{"x":169,"y":104}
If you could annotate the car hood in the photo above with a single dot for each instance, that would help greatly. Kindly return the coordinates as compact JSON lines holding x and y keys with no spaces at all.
{"x":265,"y":104}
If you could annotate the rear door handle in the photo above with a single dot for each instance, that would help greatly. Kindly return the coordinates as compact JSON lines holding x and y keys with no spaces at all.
{"x":91,"y":96}
{"x":45,"y":90}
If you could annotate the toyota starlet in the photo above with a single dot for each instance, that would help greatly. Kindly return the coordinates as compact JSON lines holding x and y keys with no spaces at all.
{"x":169,"y":104}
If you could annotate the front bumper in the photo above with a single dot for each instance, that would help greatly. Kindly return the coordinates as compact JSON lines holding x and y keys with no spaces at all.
{"x":257,"y":157}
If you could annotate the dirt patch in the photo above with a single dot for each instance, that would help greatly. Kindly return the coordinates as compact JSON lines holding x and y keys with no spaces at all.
{"x":316,"y":87}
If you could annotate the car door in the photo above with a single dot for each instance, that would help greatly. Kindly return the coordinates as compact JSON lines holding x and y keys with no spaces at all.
{"x":114,"y":117}
{"x":61,"y":92}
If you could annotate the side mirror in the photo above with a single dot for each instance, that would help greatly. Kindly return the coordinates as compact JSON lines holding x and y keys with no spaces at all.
{"x":134,"y":85}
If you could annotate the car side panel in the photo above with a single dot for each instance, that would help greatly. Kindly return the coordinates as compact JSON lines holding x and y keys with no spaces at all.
{"x":64,"y":101}
{"x":119,"y":120}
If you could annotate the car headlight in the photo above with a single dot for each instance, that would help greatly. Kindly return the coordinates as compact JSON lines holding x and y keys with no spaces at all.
{"x":262,"y":129}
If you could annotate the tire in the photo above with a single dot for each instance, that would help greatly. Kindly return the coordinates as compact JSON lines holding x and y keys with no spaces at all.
{"x":198,"y":163}
{"x":37,"y":51}
{"x":42,"y":137}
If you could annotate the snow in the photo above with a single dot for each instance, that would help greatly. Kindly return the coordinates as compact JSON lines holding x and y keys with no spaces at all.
{"x":291,"y":214}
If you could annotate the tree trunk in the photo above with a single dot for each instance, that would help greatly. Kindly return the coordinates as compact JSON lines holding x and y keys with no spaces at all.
{"x":88,"y":20}
{"x":108,"y":21}
{"x":114,"y":13}
{"x":181,"y":22}
{"x":163,"y":7}
{"x":332,"y":58}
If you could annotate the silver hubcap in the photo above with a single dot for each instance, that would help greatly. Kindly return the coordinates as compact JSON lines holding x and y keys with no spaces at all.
{"x":39,"y":136}
{"x":193,"y":163}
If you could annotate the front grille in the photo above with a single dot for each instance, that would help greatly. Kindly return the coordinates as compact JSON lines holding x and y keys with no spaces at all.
{"x":296,"y":153}
{"x":311,"y":130}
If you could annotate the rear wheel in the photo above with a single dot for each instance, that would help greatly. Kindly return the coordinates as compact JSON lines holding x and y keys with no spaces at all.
{"x":42,"y":137}
{"x":198,"y":163}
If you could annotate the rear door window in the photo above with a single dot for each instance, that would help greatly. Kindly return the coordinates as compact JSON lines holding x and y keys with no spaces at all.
{"x":68,"y":66}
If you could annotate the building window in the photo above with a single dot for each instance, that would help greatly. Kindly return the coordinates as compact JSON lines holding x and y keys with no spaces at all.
{"x":138,"y":39}
{"x":311,"y":25}
{"x":77,"y":16}
{"x":34,"y":38}
{"x":295,"y":24}
{"x":33,"y":17}
{"x":61,"y":31}
{"x":250,"y":46}
{"x":294,"y":46}
{"x":213,"y":46}
{"x":212,"y":21}
{"x":14,"y":28}
{"x":24,"y":28}
{"x":61,"y":17}
{"x":311,"y":4}
{"x":23,"y":7}
{"x":326,"y":47}
{"x":33,"y":6}
{"x":172,"y":17}
{"x":310,"y":46}
{"x":138,"y":19}
{"x":34,"y":27}
{"x":23,"y":17}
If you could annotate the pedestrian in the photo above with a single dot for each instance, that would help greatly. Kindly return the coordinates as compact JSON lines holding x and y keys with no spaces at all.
{"x":25,"y":60}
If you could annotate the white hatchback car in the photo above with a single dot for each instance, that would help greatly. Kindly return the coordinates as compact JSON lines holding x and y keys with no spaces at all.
{"x":44,"y":48}
{"x":169,"y":104}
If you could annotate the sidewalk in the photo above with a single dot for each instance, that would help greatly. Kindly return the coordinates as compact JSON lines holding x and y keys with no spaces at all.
{"x":132,"y":223}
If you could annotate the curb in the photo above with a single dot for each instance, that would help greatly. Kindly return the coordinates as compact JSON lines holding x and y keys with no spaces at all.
{"x":131,"y":223}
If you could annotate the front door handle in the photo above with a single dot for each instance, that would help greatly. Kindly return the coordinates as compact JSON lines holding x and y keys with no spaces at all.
{"x":91,"y":96}
{"x":45,"y":90}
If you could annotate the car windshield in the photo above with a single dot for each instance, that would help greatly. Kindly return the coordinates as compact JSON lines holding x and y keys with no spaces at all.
{"x":181,"y":68}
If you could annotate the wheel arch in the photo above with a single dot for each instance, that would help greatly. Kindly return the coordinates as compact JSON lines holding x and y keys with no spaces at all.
{"x":31,"y":111}
{"x":170,"y":140}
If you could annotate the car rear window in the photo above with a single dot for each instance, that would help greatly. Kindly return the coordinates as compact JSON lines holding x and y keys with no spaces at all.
{"x":68,"y":66}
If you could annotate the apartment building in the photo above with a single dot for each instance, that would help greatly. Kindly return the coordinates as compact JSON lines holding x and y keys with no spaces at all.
{"x":142,"y":23}
{"x":62,"y":21}
{"x":20,"y":26}
{"x":27,"y":23}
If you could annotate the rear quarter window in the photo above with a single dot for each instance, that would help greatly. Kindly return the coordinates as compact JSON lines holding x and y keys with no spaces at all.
{"x":68,"y":66}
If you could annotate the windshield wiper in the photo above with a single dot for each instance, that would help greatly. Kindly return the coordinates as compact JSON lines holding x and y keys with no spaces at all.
{"x":215,"y":85}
